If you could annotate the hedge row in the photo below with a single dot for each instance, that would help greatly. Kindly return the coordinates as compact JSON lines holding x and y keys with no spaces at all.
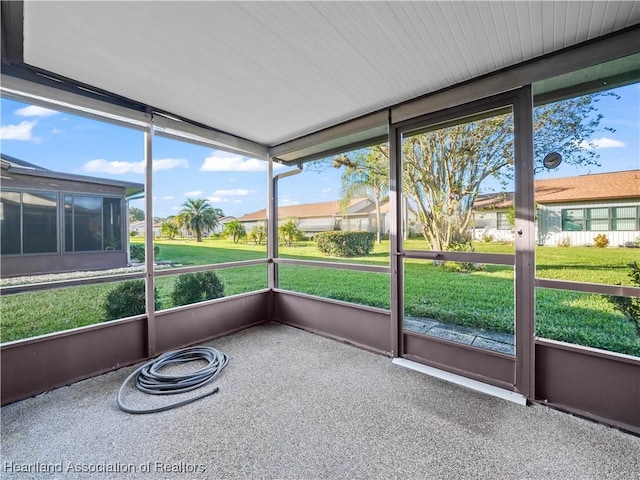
{"x":345,"y":244}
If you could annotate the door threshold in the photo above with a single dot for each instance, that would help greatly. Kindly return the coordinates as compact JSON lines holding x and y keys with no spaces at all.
{"x":463,"y":381}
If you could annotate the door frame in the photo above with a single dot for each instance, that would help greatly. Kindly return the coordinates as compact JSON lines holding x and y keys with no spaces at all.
{"x":513,"y":373}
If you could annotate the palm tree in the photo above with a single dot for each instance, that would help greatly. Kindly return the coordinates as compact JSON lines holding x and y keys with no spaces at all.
{"x":366,"y":173}
{"x":197,"y":216}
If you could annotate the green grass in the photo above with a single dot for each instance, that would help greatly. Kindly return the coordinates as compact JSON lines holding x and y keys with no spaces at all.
{"x":482,"y":299}
{"x":30,"y":314}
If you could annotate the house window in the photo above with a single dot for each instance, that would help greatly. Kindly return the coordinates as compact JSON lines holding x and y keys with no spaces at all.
{"x":10,"y":208}
{"x":597,"y":219}
{"x":573,"y":219}
{"x":29,"y":222}
{"x":503,"y":221}
{"x":624,"y":218}
{"x":92,"y":223}
{"x":600,"y":219}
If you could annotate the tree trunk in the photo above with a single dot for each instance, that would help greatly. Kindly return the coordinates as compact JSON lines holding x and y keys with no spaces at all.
{"x":377,"y":199}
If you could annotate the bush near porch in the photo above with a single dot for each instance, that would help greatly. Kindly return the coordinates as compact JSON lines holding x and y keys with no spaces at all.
{"x":483,"y":299}
{"x":345,"y":244}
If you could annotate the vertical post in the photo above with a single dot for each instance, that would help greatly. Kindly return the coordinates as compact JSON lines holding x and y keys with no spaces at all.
{"x":395,"y":244}
{"x":525,"y":244}
{"x":272,"y":228}
{"x":148,"y":241}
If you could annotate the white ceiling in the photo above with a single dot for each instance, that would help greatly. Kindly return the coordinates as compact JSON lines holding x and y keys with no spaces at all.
{"x":273,"y":71}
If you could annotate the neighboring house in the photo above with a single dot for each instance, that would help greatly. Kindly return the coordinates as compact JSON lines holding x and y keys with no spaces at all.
{"x":140,"y":227}
{"x":490,"y":217}
{"x":571,"y":210}
{"x":61,"y":222}
{"x":312,"y":218}
{"x":222,"y":221}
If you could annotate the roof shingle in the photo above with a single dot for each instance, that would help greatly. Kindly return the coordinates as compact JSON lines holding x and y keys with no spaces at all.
{"x":591,"y":187}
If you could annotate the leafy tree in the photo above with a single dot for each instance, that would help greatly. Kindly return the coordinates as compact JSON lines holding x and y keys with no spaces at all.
{"x":235,"y":230}
{"x":366,"y":173}
{"x":257,"y":234}
{"x":289,"y":231}
{"x":198,"y":216}
{"x":444,"y":168}
{"x":169,"y":229}
{"x":135,"y":214}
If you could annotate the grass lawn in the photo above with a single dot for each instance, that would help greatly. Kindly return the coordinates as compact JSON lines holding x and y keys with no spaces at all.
{"x":482,"y":299}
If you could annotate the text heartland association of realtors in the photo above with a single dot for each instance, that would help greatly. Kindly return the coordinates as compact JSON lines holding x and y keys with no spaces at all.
{"x":108,"y":467}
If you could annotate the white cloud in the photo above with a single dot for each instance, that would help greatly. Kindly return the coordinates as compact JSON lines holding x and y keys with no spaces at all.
{"x":169,"y":163}
{"x":177,"y":209}
{"x":56,"y":131}
{"x":168,"y":197}
{"x":603,"y":142}
{"x":228,"y":162}
{"x":325,"y":190}
{"x":237,"y":201}
{"x":34,"y":111}
{"x":235,"y":192}
{"x":22,"y":131}
{"x":193,"y":193}
{"x":100,"y":165}
{"x":218,"y":200}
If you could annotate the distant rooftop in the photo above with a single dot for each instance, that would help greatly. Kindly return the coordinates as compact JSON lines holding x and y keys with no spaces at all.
{"x":591,"y":187}
{"x":319,"y":209}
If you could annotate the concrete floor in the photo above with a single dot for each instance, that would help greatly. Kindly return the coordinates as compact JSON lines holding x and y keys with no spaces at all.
{"x":294,"y":405}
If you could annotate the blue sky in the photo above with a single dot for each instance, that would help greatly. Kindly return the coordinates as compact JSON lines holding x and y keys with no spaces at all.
{"x":68,"y":143}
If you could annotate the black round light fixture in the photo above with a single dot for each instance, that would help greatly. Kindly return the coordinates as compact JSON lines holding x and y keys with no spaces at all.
{"x":552,"y":160}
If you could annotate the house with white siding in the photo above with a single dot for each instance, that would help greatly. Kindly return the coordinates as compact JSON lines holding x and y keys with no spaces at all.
{"x":312,"y":218}
{"x":571,"y":210}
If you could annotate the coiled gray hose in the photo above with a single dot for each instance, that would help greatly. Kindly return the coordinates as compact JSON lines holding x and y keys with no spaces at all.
{"x":150,"y":380}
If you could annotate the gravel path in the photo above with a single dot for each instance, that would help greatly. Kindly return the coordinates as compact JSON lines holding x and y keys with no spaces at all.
{"x":53,"y":277}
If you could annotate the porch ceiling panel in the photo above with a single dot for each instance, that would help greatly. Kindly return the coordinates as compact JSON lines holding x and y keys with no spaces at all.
{"x":271,"y":72}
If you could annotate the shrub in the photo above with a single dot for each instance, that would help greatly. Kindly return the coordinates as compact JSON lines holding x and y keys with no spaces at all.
{"x":137,"y":252}
{"x":462,"y":243}
{"x":169,"y":229}
{"x":257,"y":234}
{"x":235,"y":230}
{"x":487,"y":238}
{"x":565,"y":241}
{"x":133,"y":233}
{"x":601,"y":240}
{"x":127,"y":300}
{"x":345,"y":244}
{"x":289,"y":232}
{"x":630,"y":306}
{"x":196,"y":287}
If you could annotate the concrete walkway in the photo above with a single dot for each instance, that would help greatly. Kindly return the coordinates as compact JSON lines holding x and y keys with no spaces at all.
{"x":477,"y":337}
{"x":293,"y":405}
